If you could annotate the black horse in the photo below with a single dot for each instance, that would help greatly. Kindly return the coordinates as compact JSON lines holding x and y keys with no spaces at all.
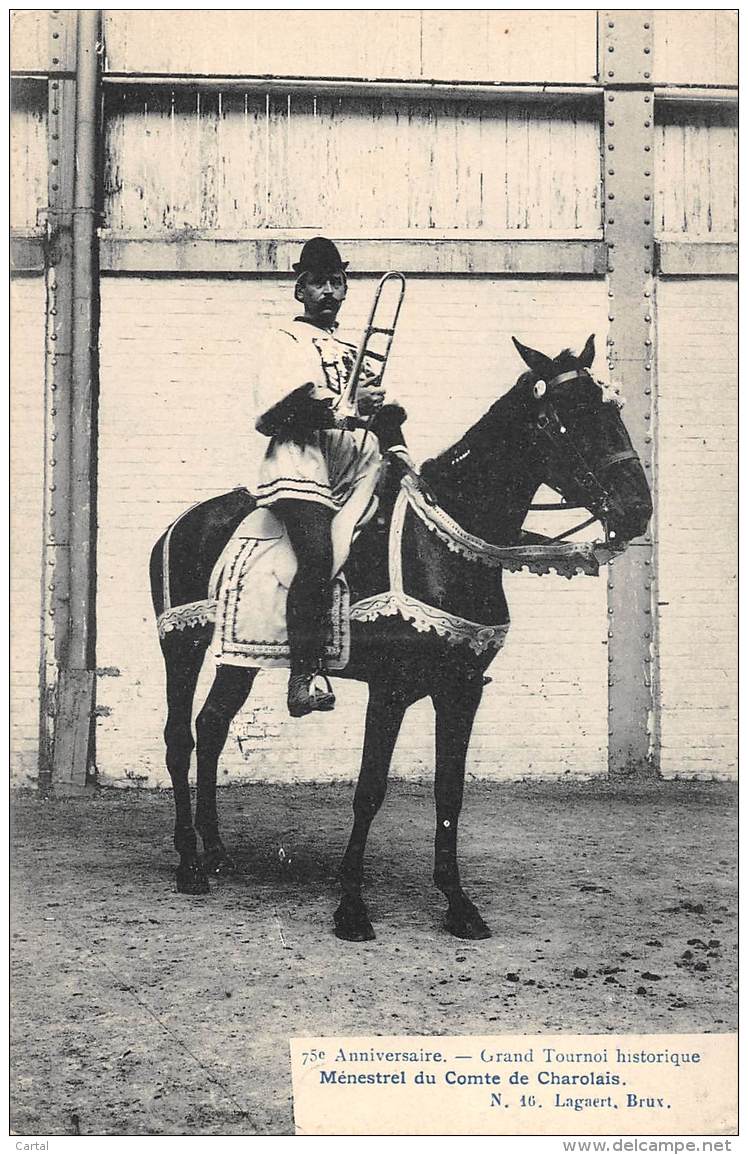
{"x":556,"y":427}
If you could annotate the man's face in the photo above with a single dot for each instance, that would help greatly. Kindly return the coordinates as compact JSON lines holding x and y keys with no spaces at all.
{"x":322,"y":294}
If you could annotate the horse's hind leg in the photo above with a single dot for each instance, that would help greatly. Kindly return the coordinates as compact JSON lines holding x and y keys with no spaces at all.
{"x":227,"y":695}
{"x":183,"y":654}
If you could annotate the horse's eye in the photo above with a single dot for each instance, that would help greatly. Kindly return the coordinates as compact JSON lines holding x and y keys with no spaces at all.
{"x":538,"y":390}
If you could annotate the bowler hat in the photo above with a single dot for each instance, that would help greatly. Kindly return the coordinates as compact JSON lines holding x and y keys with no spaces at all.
{"x":319,"y":256}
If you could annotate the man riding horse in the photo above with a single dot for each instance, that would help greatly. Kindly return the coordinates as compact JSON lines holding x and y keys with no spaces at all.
{"x":317,"y":458}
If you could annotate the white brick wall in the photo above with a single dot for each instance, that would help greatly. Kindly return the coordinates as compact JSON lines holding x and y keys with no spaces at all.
{"x":176,"y":415}
{"x":26,"y":465}
{"x":697,"y":526}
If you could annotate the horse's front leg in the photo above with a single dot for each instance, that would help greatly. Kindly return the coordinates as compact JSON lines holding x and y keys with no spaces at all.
{"x":384,"y":718}
{"x":456,"y":701}
{"x":227,"y":695}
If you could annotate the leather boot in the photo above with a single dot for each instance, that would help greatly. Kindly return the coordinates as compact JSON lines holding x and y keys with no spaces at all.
{"x":305,"y":694}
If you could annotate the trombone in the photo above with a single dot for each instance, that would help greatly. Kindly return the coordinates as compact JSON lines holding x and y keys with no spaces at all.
{"x":347,"y":403}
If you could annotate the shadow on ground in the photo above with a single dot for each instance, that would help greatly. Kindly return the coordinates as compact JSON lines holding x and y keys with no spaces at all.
{"x":139,"y":1011}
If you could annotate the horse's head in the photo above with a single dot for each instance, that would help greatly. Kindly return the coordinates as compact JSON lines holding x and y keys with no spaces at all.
{"x":582,"y":440}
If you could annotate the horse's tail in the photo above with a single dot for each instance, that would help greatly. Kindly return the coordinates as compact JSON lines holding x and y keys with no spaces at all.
{"x":183,"y":558}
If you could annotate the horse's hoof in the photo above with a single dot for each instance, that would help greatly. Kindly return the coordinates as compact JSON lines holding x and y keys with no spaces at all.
{"x":467,"y":924}
{"x":352,"y":923}
{"x":217,"y":860}
{"x":191,"y":878}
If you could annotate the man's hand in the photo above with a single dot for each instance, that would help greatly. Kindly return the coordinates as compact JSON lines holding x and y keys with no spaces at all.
{"x":369,"y":397}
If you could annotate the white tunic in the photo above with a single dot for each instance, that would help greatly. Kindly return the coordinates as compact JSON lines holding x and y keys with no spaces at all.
{"x":331,"y":462}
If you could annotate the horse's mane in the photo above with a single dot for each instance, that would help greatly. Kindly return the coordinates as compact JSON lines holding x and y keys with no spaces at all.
{"x":485,"y":434}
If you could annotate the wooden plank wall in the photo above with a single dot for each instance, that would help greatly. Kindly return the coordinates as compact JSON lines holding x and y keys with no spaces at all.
{"x":697,"y":525}
{"x":244,"y":161}
{"x":696,"y":157}
{"x":177,"y":366}
{"x":542,"y":46}
{"x":234,"y":161}
{"x":28,"y":152}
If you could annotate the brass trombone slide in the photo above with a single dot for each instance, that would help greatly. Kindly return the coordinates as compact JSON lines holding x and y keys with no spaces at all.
{"x":347,"y":403}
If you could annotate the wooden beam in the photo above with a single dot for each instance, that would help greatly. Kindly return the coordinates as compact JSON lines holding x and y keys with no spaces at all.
{"x":625,"y":66}
{"x":392,"y":89}
{"x":695,"y":94}
{"x":186,"y":254}
{"x":697,"y":258}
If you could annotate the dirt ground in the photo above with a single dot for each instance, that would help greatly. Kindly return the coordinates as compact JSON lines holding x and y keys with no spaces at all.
{"x":140,"y":1011}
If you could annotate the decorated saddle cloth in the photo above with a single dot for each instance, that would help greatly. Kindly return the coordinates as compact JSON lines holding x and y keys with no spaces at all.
{"x":249,"y":588}
{"x":250,"y":582}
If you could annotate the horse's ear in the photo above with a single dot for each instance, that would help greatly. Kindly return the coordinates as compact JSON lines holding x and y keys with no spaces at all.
{"x":587,"y":356}
{"x":538,"y":362}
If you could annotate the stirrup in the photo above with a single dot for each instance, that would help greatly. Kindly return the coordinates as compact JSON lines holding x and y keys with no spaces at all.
{"x":305,"y":695}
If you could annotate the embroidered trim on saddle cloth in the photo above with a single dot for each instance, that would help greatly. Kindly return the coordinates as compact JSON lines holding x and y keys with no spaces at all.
{"x":183,"y":617}
{"x":423,"y":617}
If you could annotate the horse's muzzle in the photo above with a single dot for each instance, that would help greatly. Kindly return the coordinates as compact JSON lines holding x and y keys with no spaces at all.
{"x":630,"y":509}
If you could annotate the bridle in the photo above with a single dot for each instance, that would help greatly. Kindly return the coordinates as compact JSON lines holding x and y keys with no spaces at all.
{"x":550,"y":426}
